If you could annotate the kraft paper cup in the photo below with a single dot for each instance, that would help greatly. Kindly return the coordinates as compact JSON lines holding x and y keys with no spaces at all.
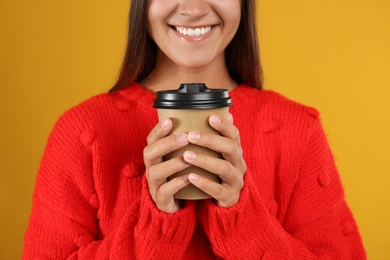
{"x":189,"y":108}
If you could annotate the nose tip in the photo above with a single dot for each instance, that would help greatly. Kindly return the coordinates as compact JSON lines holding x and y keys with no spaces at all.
{"x":194,"y":9}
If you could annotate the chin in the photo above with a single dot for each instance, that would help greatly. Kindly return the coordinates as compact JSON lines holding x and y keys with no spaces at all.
{"x":193,"y":63}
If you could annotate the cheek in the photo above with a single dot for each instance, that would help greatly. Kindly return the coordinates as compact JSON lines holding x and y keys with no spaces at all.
{"x":231,"y":24}
{"x":153,"y":26}
{"x":229,"y":12}
{"x":158,"y":12}
{"x":155,"y":14}
{"x":234,"y":13}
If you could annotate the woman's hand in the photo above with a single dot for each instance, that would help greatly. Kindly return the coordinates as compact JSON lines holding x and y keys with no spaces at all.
{"x":158,"y":170}
{"x":231,"y":169}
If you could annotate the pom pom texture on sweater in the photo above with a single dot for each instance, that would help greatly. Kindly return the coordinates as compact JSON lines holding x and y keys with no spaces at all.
{"x":91,"y":199}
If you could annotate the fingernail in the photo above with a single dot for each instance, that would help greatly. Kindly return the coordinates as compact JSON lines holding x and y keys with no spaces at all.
{"x":193,"y":177}
{"x":216,"y":120}
{"x":189,"y":155}
{"x":164,"y":123}
{"x":181,"y":138}
{"x":193,"y":136}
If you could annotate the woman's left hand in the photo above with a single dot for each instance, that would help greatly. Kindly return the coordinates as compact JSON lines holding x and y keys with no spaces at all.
{"x":230,"y":169}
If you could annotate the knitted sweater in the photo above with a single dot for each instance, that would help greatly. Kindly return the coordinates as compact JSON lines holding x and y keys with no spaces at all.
{"x":91,"y":199}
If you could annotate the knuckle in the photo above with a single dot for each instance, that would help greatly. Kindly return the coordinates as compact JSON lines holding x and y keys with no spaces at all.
{"x":148,"y":178}
{"x":155,"y":134}
{"x":210,"y":137}
{"x":145,"y":153}
{"x":170,"y":142}
{"x":234,"y":146}
{"x":219,"y":192}
{"x":149,"y":139}
{"x":162,"y":193}
{"x":232,"y":199}
{"x":244,"y":167}
{"x":151,"y":174}
{"x":241,"y":154}
{"x":240,"y":182}
{"x":236,"y":133}
{"x":226,"y":168}
{"x":236,"y":177}
{"x":237,"y":136}
{"x":206,"y":139}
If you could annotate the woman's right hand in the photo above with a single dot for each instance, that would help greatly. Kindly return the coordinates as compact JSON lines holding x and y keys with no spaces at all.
{"x":158,"y":170}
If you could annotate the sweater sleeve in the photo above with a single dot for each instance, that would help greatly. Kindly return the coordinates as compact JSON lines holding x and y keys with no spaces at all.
{"x":318,"y":223}
{"x":64,"y":222}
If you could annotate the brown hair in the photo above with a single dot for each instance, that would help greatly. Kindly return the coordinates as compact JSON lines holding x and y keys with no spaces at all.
{"x":241,"y":55}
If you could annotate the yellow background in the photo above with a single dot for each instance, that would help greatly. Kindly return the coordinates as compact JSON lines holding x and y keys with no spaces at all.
{"x":333,"y":55}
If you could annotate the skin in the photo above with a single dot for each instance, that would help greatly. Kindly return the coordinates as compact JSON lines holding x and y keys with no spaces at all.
{"x":193,"y":59}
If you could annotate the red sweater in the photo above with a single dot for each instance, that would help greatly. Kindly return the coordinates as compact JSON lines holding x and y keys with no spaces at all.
{"x":91,"y":199}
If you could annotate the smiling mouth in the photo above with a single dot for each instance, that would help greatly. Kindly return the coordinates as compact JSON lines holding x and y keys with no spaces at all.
{"x":192,"y":31}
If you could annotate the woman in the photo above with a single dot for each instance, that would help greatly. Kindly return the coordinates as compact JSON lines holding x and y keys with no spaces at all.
{"x":102,"y":189}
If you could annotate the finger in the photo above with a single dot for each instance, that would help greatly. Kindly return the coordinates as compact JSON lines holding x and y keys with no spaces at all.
{"x":154,"y":152}
{"x":164,"y":197}
{"x":225,"y":195}
{"x":225,"y":126}
{"x":223,"y":168}
{"x":157,"y":174}
{"x":212,"y":141}
{"x":160,"y":130}
{"x":230,"y":118}
{"x":230,"y":149}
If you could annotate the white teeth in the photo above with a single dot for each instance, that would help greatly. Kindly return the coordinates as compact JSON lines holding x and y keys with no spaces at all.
{"x":197,"y":32}
{"x":193,"y":32}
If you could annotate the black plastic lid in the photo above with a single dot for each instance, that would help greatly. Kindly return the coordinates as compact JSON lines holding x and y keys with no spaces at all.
{"x":192,"y":96}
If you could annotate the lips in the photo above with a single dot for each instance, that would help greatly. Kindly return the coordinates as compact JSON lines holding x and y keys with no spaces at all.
{"x":198,"y":31}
